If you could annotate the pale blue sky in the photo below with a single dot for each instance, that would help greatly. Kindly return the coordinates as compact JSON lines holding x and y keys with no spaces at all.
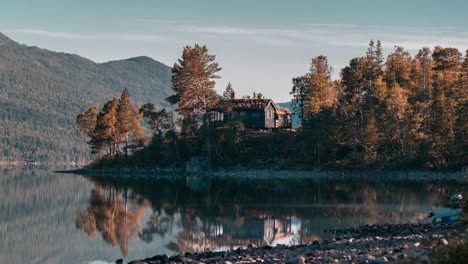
{"x":261,"y":45}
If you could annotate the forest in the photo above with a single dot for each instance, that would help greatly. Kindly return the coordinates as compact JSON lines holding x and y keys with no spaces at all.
{"x":398,"y":112}
{"x":42,"y":91}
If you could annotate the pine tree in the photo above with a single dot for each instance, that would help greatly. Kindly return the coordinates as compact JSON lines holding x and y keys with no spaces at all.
{"x":322,"y":93}
{"x":300,"y":92}
{"x":158,"y":120}
{"x":106,"y":137}
{"x":86,"y":121}
{"x":353,"y":108}
{"x":419,"y":112}
{"x":319,"y":110}
{"x":193,"y":82}
{"x":398,"y":68}
{"x":461,"y":125}
{"x":229,"y":92}
{"x":129,"y":126}
{"x":447,"y":68}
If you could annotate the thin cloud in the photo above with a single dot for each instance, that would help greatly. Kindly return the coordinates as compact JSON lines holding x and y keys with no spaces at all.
{"x":330,"y":25}
{"x":336,"y":36}
{"x":83,"y":36}
{"x":161,"y":21}
{"x":217,"y":30}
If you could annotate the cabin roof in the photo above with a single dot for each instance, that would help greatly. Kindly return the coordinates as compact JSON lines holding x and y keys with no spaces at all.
{"x":245,"y":104}
{"x":283,"y":111}
{"x":250,"y":104}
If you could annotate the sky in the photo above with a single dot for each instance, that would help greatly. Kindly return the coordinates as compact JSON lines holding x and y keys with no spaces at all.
{"x":261,"y":45}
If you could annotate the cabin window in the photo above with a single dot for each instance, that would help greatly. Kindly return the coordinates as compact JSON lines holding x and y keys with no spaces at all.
{"x":269,"y":114}
{"x":219,"y":116}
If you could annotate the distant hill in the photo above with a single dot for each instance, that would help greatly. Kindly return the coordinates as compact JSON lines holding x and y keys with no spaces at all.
{"x":295,"y":120}
{"x":42,"y":91}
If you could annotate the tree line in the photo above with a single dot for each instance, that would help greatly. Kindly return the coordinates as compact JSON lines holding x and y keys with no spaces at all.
{"x":395,"y":112}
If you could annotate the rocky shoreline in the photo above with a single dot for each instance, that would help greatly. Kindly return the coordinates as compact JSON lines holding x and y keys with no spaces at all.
{"x":401,"y":243}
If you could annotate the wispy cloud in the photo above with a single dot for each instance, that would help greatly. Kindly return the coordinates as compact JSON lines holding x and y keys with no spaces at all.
{"x":330,"y":25}
{"x":337,"y":36}
{"x":86,"y":36}
{"x":161,"y":21}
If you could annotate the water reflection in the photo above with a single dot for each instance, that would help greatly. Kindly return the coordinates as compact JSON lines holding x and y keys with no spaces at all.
{"x":197,"y":214}
{"x":110,"y":215}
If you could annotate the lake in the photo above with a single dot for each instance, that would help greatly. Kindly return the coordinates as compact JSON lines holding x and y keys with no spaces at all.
{"x":47,"y":217}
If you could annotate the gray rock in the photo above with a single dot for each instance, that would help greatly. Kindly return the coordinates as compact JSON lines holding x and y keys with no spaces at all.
{"x":296,"y":260}
{"x":380,"y":260}
{"x":366,"y":257}
{"x":444,"y":241}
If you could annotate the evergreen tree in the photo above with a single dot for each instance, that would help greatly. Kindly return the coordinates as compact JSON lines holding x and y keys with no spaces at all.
{"x":322,"y":94}
{"x":461,"y":128}
{"x":193,"y":82}
{"x":86,"y":121}
{"x":398,"y":68}
{"x":300,"y":92}
{"x":447,"y":68}
{"x":229,"y":92}
{"x":419,"y":99}
{"x":118,"y":123}
{"x":106,"y":136}
{"x":129,"y":126}
{"x":158,"y":120}
{"x":353,"y":109}
{"x":319,"y":110}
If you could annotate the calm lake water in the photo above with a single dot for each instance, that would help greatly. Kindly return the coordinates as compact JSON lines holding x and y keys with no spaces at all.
{"x":47,"y":217}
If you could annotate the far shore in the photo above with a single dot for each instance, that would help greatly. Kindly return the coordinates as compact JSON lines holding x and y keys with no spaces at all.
{"x":259,"y":174}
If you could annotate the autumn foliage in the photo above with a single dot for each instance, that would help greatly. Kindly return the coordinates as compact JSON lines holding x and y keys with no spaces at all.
{"x":405,"y":111}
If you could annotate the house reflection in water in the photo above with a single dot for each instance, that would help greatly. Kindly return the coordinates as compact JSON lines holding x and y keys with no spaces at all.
{"x":259,"y":231}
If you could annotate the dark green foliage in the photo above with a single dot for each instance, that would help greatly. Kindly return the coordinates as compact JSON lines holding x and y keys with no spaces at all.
{"x":42,"y":91}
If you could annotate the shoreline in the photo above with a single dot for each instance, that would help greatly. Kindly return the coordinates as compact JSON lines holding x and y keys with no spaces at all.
{"x":408,"y":243}
{"x":267,"y":174}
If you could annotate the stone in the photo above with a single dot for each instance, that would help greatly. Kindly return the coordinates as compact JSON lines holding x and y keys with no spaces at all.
{"x":366,"y":257}
{"x":380,"y":260}
{"x":296,"y":260}
{"x":444,"y":241}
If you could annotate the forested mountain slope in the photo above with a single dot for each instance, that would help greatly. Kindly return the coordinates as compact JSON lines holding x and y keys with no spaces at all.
{"x":41,"y":93}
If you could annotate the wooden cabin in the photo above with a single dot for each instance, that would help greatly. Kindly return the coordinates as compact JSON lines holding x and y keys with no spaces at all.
{"x":254,"y":113}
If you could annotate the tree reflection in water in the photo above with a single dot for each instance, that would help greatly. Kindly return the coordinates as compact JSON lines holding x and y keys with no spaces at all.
{"x":196,"y":214}
{"x":109,"y":214}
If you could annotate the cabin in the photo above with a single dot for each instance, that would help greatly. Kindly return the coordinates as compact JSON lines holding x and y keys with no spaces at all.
{"x":255,"y":113}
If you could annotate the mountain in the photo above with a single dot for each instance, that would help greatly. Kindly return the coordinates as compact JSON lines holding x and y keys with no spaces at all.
{"x":41,"y":93}
{"x":296,"y":122}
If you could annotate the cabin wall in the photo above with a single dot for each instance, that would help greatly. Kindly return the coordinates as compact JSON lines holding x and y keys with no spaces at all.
{"x":252,"y":118}
{"x":269,"y":119}
{"x":284,"y":121}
